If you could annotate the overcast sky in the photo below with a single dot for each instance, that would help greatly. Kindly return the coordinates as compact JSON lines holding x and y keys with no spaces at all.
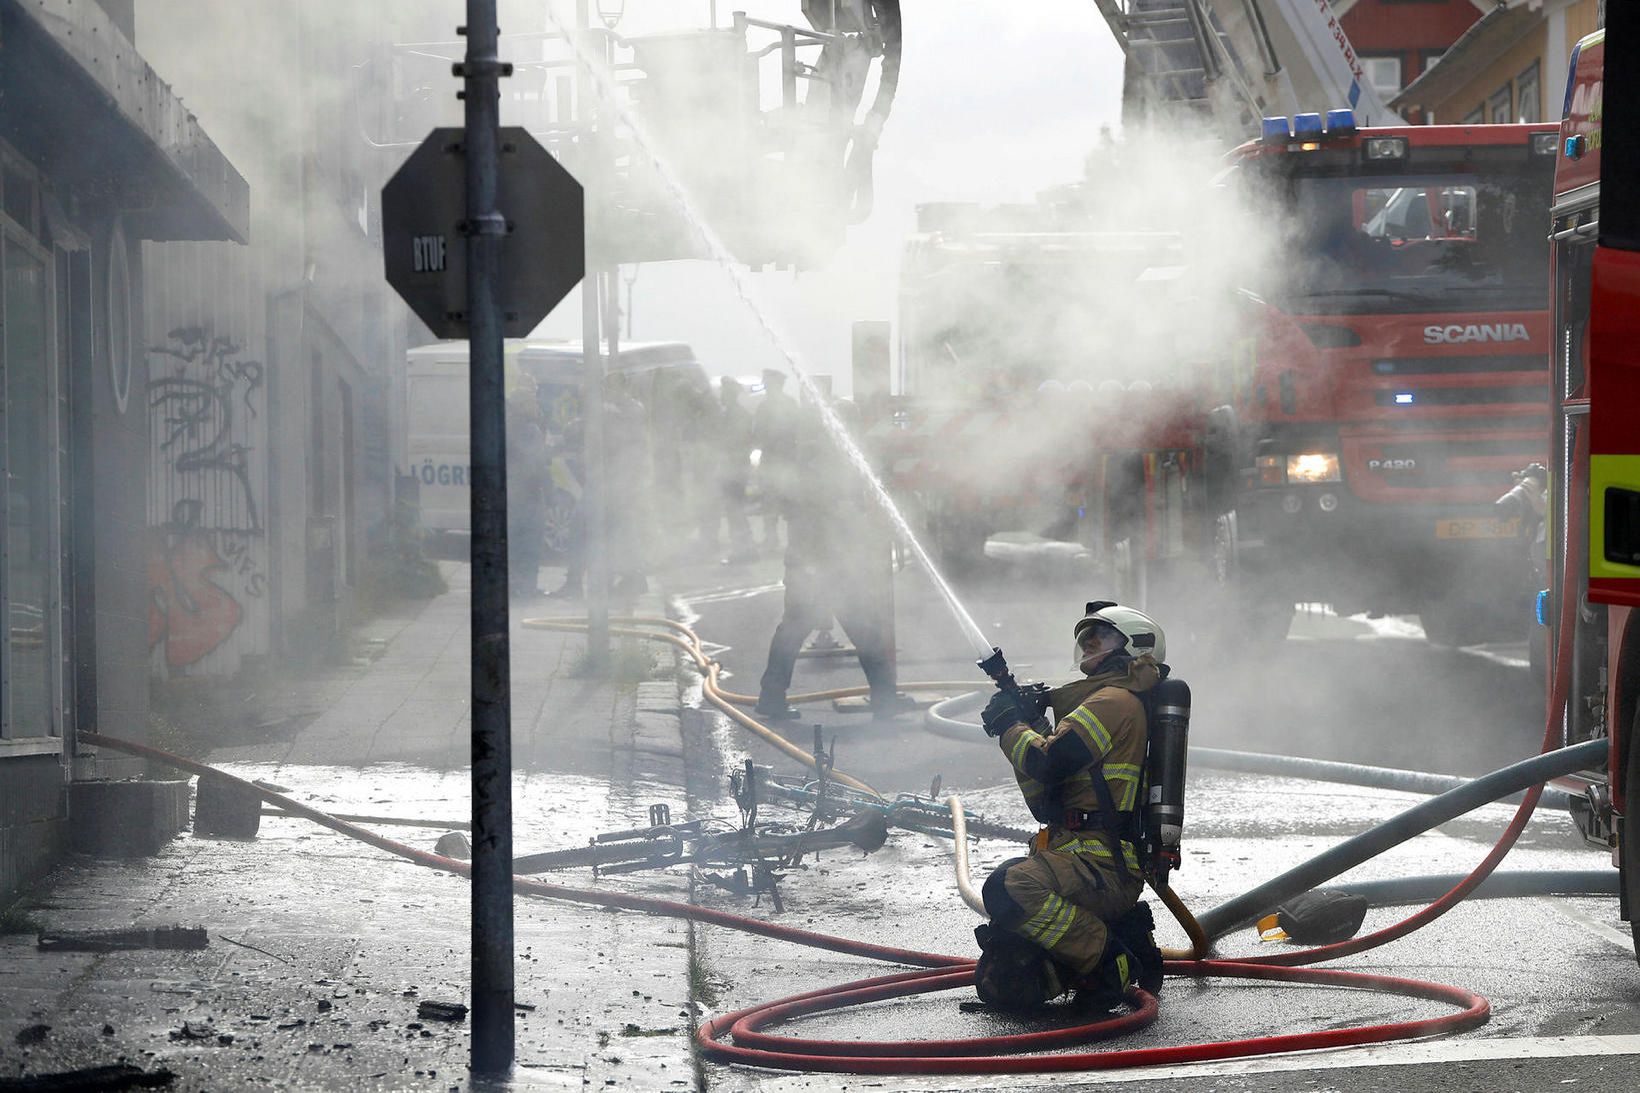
{"x":998,"y":99}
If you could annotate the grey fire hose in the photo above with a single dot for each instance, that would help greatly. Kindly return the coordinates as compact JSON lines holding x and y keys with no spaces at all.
{"x":1354,"y":774}
{"x":1534,"y":882}
{"x":940,"y":719}
{"x":1247,"y":907}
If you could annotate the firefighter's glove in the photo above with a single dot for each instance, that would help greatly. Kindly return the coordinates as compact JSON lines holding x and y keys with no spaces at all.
{"x":1002,"y":713}
{"x":1033,"y":702}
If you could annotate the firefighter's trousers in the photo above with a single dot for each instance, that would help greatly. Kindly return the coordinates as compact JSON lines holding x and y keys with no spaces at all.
{"x":860,"y":597}
{"x":1061,"y":900}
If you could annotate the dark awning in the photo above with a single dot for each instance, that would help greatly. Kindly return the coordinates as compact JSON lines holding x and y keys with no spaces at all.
{"x":1485,"y":41}
{"x":84,"y":106}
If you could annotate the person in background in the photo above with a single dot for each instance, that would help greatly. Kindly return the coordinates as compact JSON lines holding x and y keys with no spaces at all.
{"x":734,"y":469}
{"x":627,"y":482}
{"x":774,"y":436}
{"x":626,"y":496}
{"x":838,"y":564}
{"x":701,"y":450}
{"x":527,"y":483}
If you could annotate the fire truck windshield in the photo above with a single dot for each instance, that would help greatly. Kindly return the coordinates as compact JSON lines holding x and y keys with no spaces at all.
{"x":1441,"y":241}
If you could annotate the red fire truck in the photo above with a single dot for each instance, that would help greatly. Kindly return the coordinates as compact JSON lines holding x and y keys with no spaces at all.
{"x":1391,"y":373}
{"x":1594,"y":537}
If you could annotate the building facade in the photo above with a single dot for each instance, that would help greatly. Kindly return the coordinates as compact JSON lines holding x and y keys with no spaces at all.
{"x":98,"y":161}
{"x":1399,"y":39}
{"x":271,"y":471}
{"x":1511,"y":66}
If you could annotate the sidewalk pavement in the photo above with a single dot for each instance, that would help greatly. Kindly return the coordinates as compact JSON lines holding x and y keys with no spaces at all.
{"x":321,"y":949}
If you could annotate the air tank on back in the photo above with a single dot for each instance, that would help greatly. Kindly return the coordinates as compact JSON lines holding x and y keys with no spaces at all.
{"x":1168,"y":749}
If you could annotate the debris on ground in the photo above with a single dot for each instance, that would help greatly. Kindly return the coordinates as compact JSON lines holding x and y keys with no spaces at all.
{"x":33,"y":1034}
{"x":442,"y":1011}
{"x":631,"y":1029}
{"x":93,"y":1078}
{"x":225,"y":808}
{"x":107,"y":941}
{"x":454,"y":845}
{"x":193,"y":1030}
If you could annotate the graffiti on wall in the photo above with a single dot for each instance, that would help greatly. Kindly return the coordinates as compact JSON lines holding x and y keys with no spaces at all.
{"x":207,"y":545}
{"x":189,"y":612}
{"x":196,"y":408}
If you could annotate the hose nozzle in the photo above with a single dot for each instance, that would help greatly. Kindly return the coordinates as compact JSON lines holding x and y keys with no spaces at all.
{"x":996,"y":666}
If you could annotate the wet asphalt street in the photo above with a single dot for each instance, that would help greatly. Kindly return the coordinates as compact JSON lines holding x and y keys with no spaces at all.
{"x":1560,"y":972}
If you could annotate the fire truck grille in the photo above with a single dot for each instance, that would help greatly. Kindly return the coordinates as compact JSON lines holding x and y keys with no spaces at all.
{"x":1463,"y":396}
{"x":1446,"y":366}
{"x":1454,"y":463}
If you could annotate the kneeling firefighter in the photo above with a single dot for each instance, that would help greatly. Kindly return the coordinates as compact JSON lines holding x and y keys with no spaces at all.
{"x":1068,"y":917}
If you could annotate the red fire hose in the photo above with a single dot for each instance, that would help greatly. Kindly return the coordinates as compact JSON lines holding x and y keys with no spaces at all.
{"x":972,"y":1056}
{"x":990,"y":1054}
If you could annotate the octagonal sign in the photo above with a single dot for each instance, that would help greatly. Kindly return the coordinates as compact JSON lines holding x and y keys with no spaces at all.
{"x":543,"y":255}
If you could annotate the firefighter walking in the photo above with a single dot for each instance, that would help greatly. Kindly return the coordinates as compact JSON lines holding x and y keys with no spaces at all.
{"x":1068,"y":917}
{"x":839,"y":564}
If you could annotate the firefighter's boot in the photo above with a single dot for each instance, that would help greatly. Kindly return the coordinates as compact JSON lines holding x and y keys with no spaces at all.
{"x":1137,"y":929}
{"x":774,"y":707}
{"x":1105,"y":988}
{"x":887,"y":705}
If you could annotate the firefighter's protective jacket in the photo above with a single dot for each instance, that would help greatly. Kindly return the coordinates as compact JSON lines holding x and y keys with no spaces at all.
{"x":1102,"y":736}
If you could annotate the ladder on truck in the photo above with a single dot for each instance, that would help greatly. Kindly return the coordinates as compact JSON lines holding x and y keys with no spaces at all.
{"x":1183,"y":66}
{"x":1223,"y":64}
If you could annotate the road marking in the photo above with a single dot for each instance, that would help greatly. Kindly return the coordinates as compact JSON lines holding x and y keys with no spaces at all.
{"x":1496,"y":655}
{"x":1421,"y":1053}
{"x":1589,"y":923}
{"x":1418,"y":1053}
{"x":721,"y":595}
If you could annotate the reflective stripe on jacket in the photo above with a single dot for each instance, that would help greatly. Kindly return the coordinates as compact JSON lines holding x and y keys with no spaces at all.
{"x":1109,"y":720}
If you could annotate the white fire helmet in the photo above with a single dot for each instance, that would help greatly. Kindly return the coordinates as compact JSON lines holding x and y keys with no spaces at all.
{"x":1139,"y":631}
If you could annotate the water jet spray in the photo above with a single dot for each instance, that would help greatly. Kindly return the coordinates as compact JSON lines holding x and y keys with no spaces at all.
{"x":697,"y":223}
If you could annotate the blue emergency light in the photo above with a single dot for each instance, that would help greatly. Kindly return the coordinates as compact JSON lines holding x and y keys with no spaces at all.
{"x":1542,"y":607}
{"x":1274,"y":130}
{"x":1403,"y":398}
{"x":1306,"y":126}
{"x":1341,"y":121}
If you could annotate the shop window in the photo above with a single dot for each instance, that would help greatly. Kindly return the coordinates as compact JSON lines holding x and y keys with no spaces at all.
{"x":1501,"y":105}
{"x":1476,"y":116}
{"x":29,"y":493}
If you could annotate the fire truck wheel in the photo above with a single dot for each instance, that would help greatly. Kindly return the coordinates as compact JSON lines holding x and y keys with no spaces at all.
{"x":1250,"y":609}
{"x":1629,"y":839}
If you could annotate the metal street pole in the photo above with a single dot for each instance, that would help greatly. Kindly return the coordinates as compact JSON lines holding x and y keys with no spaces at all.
{"x":594,"y":508}
{"x":492,"y":928}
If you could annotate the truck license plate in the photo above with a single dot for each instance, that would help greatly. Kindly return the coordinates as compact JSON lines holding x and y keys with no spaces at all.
{"x":1479,"y":527}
